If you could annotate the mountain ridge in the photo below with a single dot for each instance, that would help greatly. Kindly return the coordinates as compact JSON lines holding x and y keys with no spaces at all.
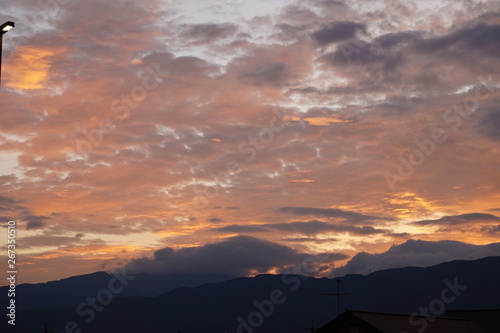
{"x":281,"y":303}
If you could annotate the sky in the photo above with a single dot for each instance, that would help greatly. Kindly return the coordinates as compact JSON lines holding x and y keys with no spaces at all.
{"x":248,"y":137}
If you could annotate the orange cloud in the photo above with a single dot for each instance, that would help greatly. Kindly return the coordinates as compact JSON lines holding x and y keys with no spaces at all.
{"x":325,"y":121}
{"x":29,"y":67}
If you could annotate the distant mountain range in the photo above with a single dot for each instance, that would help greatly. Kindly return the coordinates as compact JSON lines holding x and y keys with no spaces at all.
{"x":71,"y":291}
{"x":97,"y":302}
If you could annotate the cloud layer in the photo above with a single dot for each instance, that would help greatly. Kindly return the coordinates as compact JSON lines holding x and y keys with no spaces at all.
{"x":325,"y":126}
{"x":237,"y":256}
{"x":416,"y":253}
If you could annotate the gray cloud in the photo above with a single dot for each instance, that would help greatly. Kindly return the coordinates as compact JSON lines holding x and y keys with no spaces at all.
{"x":416,"y":253}
{"x":392,"y":40}
{"x":338,"y":31}
{"x":290,"y":32}
{"x":493,"y":230}
{"x":23,"y":214}
{"x":242,"y":228}
{"x":329,"y":3}
{"x":316,"y":227}
{"x":34,"y":224}
{"x":399,"y":235}
{"x":49,"y":240}
{"x":9,"y":204}
{"x":389,"y":60}
{"x":328,"y":212}
{"x":208,"y":33}
{"x":313,"y":227}
{"x":460,"y":219}
{"x":490,"y":124}
{"x":308,"y":240}
{"x":389,"y":50}
{"x":274,"y":73}
{"x":179,"y":68}
{"x":237,"y":256}
{"x":480,"y":38}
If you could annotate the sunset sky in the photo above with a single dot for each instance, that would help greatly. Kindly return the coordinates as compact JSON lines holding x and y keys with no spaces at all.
{"x":269,"y":130}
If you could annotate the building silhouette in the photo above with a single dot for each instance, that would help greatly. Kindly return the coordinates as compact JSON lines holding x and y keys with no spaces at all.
{"x":472,"y":321}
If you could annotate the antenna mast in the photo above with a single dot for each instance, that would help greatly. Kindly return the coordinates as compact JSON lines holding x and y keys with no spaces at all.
{"x":338,"y":294}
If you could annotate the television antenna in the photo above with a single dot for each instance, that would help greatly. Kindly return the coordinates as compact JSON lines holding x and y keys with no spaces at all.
{"x":338,"y":294}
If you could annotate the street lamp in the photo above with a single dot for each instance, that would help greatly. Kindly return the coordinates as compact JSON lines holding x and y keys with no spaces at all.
{"x":3,"y":29}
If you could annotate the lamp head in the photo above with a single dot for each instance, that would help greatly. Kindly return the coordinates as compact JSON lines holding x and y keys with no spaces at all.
{"x":6,"y":27}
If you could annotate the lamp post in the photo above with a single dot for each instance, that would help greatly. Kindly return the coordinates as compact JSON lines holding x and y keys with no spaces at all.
{"x":3,"y":29}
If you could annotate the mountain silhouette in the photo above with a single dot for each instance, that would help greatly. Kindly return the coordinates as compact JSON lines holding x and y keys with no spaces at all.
{"x":275,"y":303}
{"x":71,"y":291}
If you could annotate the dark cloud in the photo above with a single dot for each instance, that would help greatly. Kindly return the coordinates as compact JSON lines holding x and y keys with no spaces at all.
{"x":490,"y":124}
{"x":215,"y":220}
{"x":34,"y":224}
{"x":359,"y":53}
{"x":329,"y":3}
{"x":493,"y":230}
{"x":274,"y":74}
{"x":399,"y":235}
{"x":179,"y":68}
{"x":290,"y":32}
{"x":306,"y":228}
{"x":309,"y":240}
{"x":48,"y":240}
{"x":164,"y":254}
{"x":9,"y":204}
{"x":237,"y":256}
{"x":388,"y":49}
{"x":480,"y":38}
{"x":208,"y":33}
{"x":31,"y":221}
{"x":316,"y":227}
{"x":238,"y":228}
{"x":460,"y":219}
{"x":390,"y":58}
{"x":393,"y":40}
{"x":416,"y":253}
{"x":328,"y":212}
{"x":338,"y":31}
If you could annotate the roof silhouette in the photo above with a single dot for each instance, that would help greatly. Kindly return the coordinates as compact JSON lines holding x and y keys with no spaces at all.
{"x":479,"y":321}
